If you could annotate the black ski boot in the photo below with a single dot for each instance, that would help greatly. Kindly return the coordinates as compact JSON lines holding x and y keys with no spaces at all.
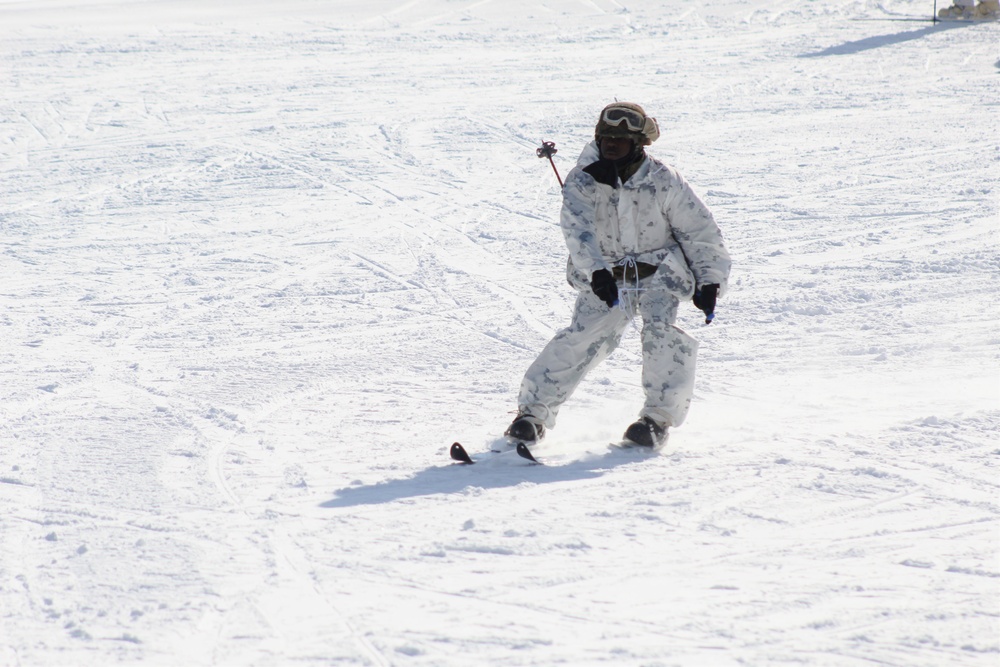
{"x":646,"y":433}
{"x":525,"y":429}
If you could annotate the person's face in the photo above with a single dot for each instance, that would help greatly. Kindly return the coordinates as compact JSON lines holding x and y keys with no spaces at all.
{"x":615,"y":148}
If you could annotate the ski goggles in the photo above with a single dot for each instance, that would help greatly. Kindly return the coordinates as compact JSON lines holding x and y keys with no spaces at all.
{"x":615,"y":116}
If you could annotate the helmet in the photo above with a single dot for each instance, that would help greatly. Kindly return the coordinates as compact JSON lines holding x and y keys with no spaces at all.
{"x":629,"y":121}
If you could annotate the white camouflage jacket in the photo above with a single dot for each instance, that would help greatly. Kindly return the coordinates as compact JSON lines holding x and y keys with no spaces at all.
{"x":654,"y":218}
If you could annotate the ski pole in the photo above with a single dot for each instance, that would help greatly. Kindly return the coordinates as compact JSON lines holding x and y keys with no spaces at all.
{"x":548,"y":149}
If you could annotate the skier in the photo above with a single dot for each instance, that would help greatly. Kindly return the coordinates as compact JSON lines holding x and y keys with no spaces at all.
{"x":986,"y":10}
{"x":639,"y":239}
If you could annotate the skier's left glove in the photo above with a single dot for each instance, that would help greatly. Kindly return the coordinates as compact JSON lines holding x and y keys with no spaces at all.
{"x":704,"y":300}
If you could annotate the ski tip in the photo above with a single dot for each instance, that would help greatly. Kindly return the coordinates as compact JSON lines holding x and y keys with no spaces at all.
{"x":525,"y":453}
{"x":458,"y":453}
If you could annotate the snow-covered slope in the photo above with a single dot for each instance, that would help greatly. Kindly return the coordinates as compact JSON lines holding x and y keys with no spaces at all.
{"x":263,"y":262}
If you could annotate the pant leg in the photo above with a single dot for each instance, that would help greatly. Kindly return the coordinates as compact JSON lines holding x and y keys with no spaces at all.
{"x":593,"y":334}
{"x":668,"y":360}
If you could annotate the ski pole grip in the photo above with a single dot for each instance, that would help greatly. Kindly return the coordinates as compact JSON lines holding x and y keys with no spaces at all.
{"x":548,"y":149}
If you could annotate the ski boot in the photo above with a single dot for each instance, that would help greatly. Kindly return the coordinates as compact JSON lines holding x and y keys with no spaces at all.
{"x":646,"y":433}
{"x":526,"y":429}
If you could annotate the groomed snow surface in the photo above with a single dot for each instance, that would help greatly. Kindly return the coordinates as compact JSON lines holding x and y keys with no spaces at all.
{"x":263,"y":262}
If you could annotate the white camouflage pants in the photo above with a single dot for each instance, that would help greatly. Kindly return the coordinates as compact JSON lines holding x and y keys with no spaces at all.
{"x":668,"y":358}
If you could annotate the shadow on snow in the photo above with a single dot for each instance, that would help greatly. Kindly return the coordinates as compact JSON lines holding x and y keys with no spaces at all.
{"x":489,"y":474}
{"x":884,"y":40}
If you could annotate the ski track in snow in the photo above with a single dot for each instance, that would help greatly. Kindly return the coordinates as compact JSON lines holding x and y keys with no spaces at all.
{"x":263,"y":264}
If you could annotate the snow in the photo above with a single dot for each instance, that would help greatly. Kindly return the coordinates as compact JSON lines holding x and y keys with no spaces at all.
{"x":263,"y":262}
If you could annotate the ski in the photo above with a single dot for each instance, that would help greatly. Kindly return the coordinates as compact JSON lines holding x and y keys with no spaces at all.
{"x":459,"y":454}
{"x":629,"y":446}
{"x":525,"y":453}
{"x":967,"y":19}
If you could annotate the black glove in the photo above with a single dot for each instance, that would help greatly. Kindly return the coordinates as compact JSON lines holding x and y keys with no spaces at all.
{"x":603,"y":284}
{"x":704,"y":300}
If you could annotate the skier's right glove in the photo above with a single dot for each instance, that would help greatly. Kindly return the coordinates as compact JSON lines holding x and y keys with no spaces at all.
{"x":704,"y":300}
{"x":603,"y":284}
